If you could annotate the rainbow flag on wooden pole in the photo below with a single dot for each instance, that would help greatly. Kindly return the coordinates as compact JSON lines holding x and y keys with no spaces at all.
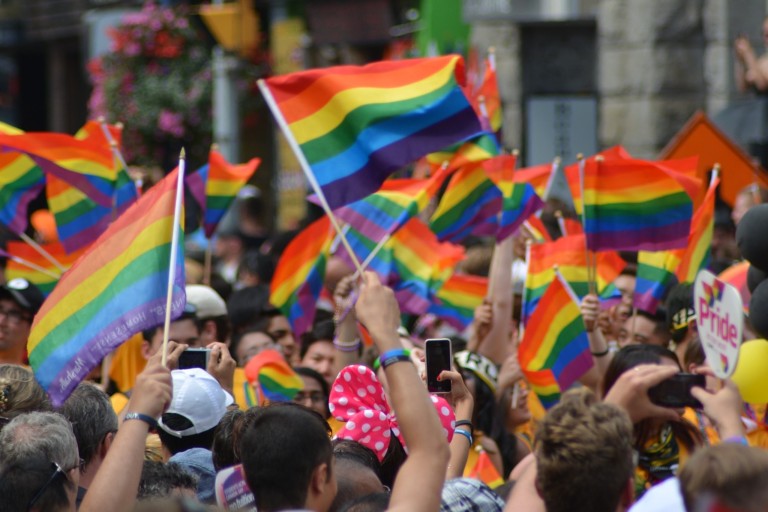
{"x":116,"y":289}
{"x":352,"y":126}
{"x":698,"y":252}
{"x":554,"y":352}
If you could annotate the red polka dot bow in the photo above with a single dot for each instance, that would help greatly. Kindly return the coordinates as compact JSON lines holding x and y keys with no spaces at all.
{"x":358,"y":399}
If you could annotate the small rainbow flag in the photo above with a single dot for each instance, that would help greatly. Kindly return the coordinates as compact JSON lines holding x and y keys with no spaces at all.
{"x":537,"y":230}
{"x":489,"y":98}
{"x":568,"y":254}
{"x":455,"y":301}
{"x":384,"y":212}
{"x":538,"y":176}
{"x":519,"y":200}
{"x":357,"y":124}
{"x":572,"y":172}
{"x":87,"y":165}
{"x":736,"y":275}
{"x":470,"y":206}
{"x":298,"y":278}
{"x":275,"y":379}
{"x":223,"y":182}
{"x":633,"y":206}
{"x":699,"y":250}
{"x":43,"y":281}
{"x":475,"y":150}
{"x":554,"y":351}
{"x":420,"y":263}
{"x":485,"y":471}
{"x":655,"y":275}
{"x":116,"y":289}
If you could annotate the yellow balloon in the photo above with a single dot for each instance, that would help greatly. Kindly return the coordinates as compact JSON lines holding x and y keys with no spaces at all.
{"x":750,"y":375}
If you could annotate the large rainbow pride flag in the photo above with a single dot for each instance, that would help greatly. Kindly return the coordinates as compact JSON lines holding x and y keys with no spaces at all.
{"x":116,"y":289}
{"x":356,"y":125}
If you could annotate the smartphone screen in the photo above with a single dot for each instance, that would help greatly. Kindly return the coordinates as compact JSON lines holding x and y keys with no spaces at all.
{"x":676,"y":391}
{"x":194,"y":358}
{"x":438,"y":360}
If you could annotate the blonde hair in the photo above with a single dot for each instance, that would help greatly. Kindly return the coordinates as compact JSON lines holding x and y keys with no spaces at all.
{"x":20,"y":392}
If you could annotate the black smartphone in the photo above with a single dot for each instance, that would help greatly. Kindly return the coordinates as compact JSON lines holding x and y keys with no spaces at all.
{"x":194,"y":358}
{"x":676,"y":391}
{"x":438,"y":359}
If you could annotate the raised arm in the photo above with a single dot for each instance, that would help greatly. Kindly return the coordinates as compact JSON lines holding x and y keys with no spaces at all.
{"x":420,"y":480}
{"x":116,"y":483}
{"x":495,"y":346}
{"x":347,"y":342}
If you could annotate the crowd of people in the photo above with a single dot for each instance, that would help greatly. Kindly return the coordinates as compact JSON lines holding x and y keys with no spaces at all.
{"x":360,"y":432}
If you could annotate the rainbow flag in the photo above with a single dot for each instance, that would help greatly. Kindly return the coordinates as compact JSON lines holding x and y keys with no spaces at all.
{"x":655,"y":276}
{"x":455,"y":301}
{"x":363,"y":246}
{"x":488,"y":97}
{"x":485,"y":471}
{"x":634,"y":206}
{"x":357,"y":124}
{"x":298,"y":278}
{"x":421,"y":263}
{"x":568,"y":254}
{"x":87,"y":165}
{"x":698,"y":252}
{"x":43,"y":281}
{"x":384,"y":212}
{"x":116,"y":289}
{"x":470,"y":206}
{"x":275,"y":379}
{"x":537,"y":176}
{"x":519,"y":200}
{"x":21,"y":181}
{"x":458,"y":155}
{"x":572,"y":172}
{"x":554,"y":351}
{"x":736,"y":275}
{"x":224,"y":181}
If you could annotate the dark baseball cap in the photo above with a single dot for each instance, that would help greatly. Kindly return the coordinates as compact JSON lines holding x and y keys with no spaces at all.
{"x":24,"y":293}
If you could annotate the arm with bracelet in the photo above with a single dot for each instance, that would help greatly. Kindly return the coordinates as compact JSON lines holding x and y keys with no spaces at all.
{"x":463,"y":433}
{"x":347,"y":343}
{"x":598,"y":346}
{"x":420,"y":480}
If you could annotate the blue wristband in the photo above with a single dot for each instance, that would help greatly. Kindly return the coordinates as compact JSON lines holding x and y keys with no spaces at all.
{"x":392,"y":356}
{"x":149,"y":420}
{"x":466,"y":434}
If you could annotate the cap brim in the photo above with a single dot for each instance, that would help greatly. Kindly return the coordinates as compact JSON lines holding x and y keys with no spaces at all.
{"x":17,"y":297}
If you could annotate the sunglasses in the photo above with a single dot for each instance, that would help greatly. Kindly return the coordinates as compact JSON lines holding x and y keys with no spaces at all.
{"x":57,"y":474}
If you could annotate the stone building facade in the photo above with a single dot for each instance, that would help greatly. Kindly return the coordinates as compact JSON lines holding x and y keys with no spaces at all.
{"x":654,"y":62}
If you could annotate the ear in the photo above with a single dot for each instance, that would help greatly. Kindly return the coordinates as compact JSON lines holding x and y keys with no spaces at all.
{"x":146,"y":350}
{"x":106,"y":443}
{"x":320,"y":478}
{"x":627,"y":494}
{"x":692,"y":368}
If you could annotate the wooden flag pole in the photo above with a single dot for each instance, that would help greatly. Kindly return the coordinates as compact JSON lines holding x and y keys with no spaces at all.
{"x":281,"y":122}
{"x":208,"y":264}
{"x":591,"y":271}
{"x":45,"y":254}
{"x":174,"y":252}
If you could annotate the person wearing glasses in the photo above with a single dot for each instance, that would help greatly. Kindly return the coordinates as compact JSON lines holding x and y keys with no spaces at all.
{"x":19,"y":302}
{"x":40,"y":466}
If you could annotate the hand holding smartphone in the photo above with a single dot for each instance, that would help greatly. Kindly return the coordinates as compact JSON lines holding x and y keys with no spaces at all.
{"x":438,"y":359}
{"x":194,"y":358}
{"x":676,"y":391}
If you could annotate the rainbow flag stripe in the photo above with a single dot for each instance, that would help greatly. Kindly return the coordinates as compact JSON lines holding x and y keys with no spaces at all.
{"x":572,"y":172}
{"x":634,"y":206}
{"x":699,"y":249}
{"x":384,"y":212}
{"x":568,"y":255}
{"x":357,"y":124}
{"x":537,"y":230}
{"x":491,"y":99}
{"x":554,"y":351}
{"x":537,"y":176}
{"x":299,"y":275}
{"x":455,"y":301}
{"x":116,"y":289}
{"x":480,"y":148}
{"x":470,"y":206}
{"x":43,"y":281}
{"x":21,"y":181}
{"x":655,"y":276}
{"x":223,"y":182}
{"x":79,"y":221}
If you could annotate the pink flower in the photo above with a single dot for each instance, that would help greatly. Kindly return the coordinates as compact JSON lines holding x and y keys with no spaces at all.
{"x":170,"y":123}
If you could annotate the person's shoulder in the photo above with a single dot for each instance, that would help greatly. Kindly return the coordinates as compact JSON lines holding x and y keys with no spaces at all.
{"x":664,"y":497}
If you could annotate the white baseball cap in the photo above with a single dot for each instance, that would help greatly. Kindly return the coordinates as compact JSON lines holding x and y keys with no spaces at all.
{"x":198,"y":397}
{"x":208,"y":303}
